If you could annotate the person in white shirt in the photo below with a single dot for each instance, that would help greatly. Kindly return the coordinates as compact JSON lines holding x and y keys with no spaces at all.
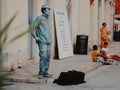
{"x":109,"y":56}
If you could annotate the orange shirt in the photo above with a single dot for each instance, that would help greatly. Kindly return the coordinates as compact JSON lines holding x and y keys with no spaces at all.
{"x":103,"y":33}
{"x":104,"y":36}
{"x":94,"y":55}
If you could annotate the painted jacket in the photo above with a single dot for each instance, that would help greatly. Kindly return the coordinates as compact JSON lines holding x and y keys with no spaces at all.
{"x":43,"y":31}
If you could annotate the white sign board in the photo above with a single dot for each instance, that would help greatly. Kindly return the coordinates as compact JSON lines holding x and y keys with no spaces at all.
{"x":63,"y":34}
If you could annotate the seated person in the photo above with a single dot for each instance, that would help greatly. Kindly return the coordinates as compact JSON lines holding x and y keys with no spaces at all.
{"x":102,"y":57}
{"x":109,"y":56}
{"x":96,"y":56}
{"x":107,"y":61}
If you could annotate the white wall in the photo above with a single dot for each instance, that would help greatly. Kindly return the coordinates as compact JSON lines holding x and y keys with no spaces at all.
{"x":83,"y":19}
{"x":0,"y":12}
{"x":74,"y":20}
{"x":18,"y":50}
{"x":96,"y":24}
{"x":93,"y":32}
{"x":84,"y":13}
{"x":96,"y":19}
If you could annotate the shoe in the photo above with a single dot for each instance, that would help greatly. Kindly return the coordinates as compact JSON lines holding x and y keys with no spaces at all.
{"x":48,"y":75}
{"x":40,"y":76}
{"x":106,"y":63}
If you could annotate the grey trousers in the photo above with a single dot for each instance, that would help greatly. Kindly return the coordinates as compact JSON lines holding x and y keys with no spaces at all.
{"x":45,"y":55}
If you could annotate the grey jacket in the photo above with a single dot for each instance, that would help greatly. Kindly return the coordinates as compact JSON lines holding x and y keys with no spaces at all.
{"x":43,"y":31}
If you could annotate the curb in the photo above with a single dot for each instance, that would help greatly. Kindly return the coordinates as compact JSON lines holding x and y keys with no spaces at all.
{"x":44,"y":80}
{"x":40,"y":81}
{"x":92,"y":68}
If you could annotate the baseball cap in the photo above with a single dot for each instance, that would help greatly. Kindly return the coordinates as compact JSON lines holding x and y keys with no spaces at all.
{"x":46,"y":6}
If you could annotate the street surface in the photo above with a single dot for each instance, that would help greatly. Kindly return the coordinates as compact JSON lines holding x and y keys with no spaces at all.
{"x":103,"y":78}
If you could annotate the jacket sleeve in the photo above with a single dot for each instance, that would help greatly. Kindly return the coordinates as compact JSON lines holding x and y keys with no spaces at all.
{"x":35,"y":25}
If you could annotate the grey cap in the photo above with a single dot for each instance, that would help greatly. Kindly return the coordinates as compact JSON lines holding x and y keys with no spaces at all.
{"x":45,"y":6}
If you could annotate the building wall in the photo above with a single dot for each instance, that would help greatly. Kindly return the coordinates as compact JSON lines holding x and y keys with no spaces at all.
{"x":93,"y":32}
{"x":17,"y":51}
{"x":0,"y":12}
{"x":100,"y":11}
{"x":73,"y":14}
{"x":107,"y":13}
{"x":84,"y":13}
{"x":84,"y":18}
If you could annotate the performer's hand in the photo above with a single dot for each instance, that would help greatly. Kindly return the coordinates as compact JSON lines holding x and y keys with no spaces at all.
{"x":37,"y":40}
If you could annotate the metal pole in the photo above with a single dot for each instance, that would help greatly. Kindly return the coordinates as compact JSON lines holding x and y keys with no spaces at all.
{"x":30,"y":19}
{"x":99,"y":2}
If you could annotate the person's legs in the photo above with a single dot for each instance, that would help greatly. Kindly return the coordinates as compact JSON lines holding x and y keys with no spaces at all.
{"x":116,"y":57}
{"x":47,"y":61}
{"x":43,"y":56}
{"x":100,"y":59}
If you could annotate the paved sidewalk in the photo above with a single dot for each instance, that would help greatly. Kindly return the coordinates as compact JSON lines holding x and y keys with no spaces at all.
{"x":82,"y":63}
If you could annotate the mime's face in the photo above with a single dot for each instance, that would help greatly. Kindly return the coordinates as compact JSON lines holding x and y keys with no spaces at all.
{"x":47,"y":11}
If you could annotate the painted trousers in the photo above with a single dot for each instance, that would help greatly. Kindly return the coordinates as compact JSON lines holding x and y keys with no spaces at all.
{"x":45,"y":55}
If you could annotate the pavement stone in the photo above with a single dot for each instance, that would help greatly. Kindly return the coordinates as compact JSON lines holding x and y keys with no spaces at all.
{"x":82,"y":63}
